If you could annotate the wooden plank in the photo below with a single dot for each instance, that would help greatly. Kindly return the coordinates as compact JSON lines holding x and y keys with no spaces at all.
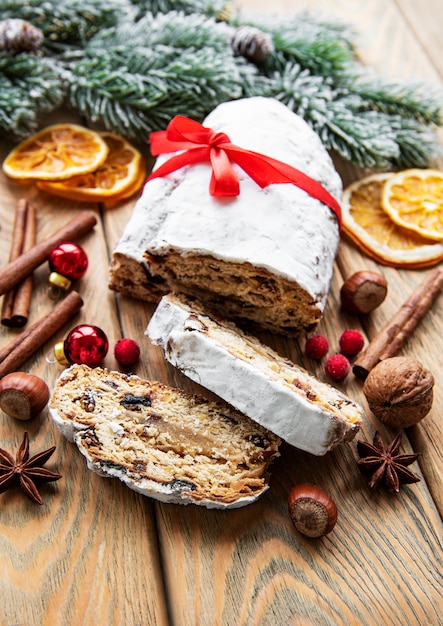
{"x":249,"y":566}
{"x":425,"y":345}
{"x":92,"y":554}
{"x":89,"y":554}
{"x":424,"y":19}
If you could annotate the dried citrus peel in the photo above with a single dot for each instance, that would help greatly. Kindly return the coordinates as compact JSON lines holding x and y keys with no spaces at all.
{"x":56,"y":153}
{"x":367,"y":224}
{"x":413,"y":199}
{"x":120,"y":176}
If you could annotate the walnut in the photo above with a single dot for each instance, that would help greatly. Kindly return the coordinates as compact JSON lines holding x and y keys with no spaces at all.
{"x":399,"y":391}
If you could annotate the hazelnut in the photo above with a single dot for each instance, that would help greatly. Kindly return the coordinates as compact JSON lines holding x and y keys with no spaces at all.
{"x":399,"y":391}
{"x":363,"y":292}
{"x":22,"y":395}
{"x":312,"y":510}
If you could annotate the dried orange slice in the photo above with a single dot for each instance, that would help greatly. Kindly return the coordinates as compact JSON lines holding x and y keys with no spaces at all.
{"x":371,"y":228}
{"x":414,"y":199}
{"x":121,"y":174}
{"x":56,"y":153}
{"x":135,"y":187}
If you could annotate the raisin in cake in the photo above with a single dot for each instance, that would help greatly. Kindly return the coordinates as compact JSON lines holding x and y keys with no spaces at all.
{"x":163,"y":442}
{"x":265,"y":256}
{"x":308,"y":413}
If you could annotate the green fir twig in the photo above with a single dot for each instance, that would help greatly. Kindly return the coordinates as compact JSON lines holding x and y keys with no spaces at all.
{"x":29,"y":88}
{"x":131,"y":65}
{"x":137,"y":88}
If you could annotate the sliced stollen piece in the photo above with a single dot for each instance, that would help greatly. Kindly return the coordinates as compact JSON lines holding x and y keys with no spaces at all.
{"x":161,"y":441}
{"x":265,"y":256}
{"x":281,"y":396}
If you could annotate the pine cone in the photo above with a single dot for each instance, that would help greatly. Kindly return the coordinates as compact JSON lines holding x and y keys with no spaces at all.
{"x":16,"y":36}
{"x":251,"y":43}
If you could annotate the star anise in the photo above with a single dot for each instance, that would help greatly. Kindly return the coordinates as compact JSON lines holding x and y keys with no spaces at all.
{"x":25,"y":470}
{"x":386,"y":466}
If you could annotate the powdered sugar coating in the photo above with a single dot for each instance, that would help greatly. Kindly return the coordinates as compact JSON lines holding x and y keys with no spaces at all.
{"x":280,"y":228}
{"x":275,"y":393}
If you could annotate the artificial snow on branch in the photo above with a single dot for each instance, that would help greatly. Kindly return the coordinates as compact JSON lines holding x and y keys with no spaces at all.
{"x":131,"y":65}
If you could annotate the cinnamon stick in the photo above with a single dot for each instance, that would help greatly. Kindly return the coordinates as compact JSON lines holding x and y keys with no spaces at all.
{"x":390,"y":339}
{"x":26,"y":344}
{"x":15,"y":271}
{"x":17,"y":302}
{"x":23,"y":291}
{"x":17,"y":240}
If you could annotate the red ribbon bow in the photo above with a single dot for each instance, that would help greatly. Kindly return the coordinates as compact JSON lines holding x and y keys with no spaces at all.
{"x":203,"y":144}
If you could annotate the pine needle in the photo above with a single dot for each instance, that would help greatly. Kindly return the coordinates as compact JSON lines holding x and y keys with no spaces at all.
{"x":29,"y":88}
{"x":132,"y":65}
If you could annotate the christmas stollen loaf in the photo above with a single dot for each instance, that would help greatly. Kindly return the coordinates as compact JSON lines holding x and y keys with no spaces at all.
{"x":265,"y":256}
{"x":161,"y":441}
{"x":281,"y":396}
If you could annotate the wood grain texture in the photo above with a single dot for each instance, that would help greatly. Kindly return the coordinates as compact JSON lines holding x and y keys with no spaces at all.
{"x":252,"y":568}
{"x":424,"y":20}
{"x":98,"y":553}
{"x":89,"y":555}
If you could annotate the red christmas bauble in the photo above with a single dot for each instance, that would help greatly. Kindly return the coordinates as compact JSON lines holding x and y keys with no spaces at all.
{"x":69,"y":260}
{"x":86,"y":345}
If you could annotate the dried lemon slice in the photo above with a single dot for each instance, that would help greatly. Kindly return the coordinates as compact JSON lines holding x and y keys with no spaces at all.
{"x":56,"y":153}
{"x":118,"y":177}
{"x":371,"y":228}
{"x":414,"y":199}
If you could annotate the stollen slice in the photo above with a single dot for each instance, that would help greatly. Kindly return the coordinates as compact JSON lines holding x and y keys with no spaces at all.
{"x":281,"y":396}
{"x":163,"y":442}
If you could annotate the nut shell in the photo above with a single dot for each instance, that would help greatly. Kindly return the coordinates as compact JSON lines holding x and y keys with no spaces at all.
{"x":312,"y":510}
{"x":363,"y":292}
{"x":23,"y":396}
{"x":399,"y":391}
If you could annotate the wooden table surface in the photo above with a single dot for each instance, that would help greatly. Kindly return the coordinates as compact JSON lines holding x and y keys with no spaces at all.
{"x":99,"y":553}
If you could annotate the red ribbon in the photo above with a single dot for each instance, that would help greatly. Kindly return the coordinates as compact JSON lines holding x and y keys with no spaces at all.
{"x":203,"y":144}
